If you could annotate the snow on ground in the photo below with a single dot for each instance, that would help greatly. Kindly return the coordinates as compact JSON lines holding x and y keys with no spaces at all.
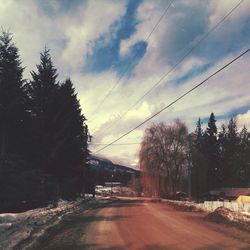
{"x":210,"y":206}
{"x":246,"y":214}
{"x":182,"y":205}
{"x":18,"y":228}
{"x":229,"y":217}
{"x":121,"y":191}
{"x":229,"y":213}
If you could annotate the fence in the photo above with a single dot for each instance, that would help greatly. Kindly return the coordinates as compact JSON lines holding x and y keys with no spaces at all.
{"x":234,"y":206}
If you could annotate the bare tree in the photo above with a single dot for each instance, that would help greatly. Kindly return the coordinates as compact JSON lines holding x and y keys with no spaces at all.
{"x":163,"y":156}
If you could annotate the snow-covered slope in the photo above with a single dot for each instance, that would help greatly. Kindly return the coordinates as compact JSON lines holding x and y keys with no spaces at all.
{"x":20,"y":230}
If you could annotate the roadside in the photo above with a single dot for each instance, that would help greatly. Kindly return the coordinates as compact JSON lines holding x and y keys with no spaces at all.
{"x":217,"y":214}
{"x":33,"y":228}
{"x":143,"y":224}
{"x":23,"y":230}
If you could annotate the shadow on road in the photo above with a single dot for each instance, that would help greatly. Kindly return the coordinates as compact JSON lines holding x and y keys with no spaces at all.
{"x":159,"y":247}
{"x":99,"y":247}
{"x":73,"y":228}
{"x":94,"y":218}
{"x":121,"y":203}
{"x":218,"y":247}
{"x":84,"y":247}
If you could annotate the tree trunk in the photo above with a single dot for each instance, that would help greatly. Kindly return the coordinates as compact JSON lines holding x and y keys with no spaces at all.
{"x":159,"y":190}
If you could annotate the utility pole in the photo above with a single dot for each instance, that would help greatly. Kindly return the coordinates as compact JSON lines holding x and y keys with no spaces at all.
{"x":189,"y":167}
{"x":89,"y":137}
{"x":112,"y":176}
{"x":189,"y":181}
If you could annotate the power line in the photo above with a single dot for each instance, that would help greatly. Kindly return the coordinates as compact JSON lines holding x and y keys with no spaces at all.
{"x":176,"y":100}
{"x":117,"y":144}
{"x":128,"y":66}
{"x":179,"y":62}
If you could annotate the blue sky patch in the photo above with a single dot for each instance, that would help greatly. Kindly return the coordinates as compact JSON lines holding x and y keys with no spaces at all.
{"x":234,"y":112}
{"x":192,"y":73}
{"x":226,"y":116}
{"x":106,"y":48}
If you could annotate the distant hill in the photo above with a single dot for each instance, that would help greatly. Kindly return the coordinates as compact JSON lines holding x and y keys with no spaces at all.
{"x":100,"y":163}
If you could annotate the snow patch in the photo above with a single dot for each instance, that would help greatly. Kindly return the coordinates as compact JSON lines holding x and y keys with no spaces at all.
{"x":226,"y":216}
{"x":18,"y":228}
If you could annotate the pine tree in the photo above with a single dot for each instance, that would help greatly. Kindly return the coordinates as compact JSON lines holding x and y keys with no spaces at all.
{"x":244,"y":135}
{"x":232,"y":154}
{"x":18,"y":181}
{"x":44,"y":97}
{"x":222,"y":153}
{"x":244,"y":158}
{"x":232,"y":130}
{"x":199,"y":134}
{"x":12,"y":96}
{"x":199,"y":166}
{"x":60,"y":132}
{"x":212,"y":128}
{"x":212,"y":153}
{"x":71,"y":141}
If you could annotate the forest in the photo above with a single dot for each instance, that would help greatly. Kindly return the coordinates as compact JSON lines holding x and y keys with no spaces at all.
{"x":43,"y":133}
{"x":212,"y":158}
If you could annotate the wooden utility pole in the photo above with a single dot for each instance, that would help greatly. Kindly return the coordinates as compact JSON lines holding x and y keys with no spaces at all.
{"x":189,"y":168}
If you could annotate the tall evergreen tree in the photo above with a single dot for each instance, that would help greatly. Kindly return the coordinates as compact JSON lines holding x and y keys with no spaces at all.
{"x":71,"y":141}
{"x":212,"y":128}
{"x":234,"y":155}
{"x":232,"y":169}
{"x":44,"y":97}
{"x":60,"y":132}
{"x":212,"y":153}
{"x":12,"y":96}
{"x":199,"y":134}
{"x":199,"y":164}
{"x":222,"y":139}
{"x":18,"y":181}
{"x":244,"y":157}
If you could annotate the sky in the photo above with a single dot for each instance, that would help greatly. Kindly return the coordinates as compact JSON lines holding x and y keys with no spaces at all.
{"x":109,"y":44}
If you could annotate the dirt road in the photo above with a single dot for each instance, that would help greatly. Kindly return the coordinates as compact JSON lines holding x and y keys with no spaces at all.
{"x":131,"y":224}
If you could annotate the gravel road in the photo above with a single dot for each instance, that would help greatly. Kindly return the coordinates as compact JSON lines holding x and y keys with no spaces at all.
{"x":134,"y":224}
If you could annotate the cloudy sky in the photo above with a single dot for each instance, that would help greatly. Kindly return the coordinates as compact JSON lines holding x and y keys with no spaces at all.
{"x":111,"y":44}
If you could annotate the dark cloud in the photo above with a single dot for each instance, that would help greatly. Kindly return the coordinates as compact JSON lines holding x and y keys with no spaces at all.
{"x":228,"y":38}
{"x":185,"y":24}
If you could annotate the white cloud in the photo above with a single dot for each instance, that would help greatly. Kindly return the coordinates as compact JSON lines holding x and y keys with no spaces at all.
{"x":68,"y":36}
{"x":86,"y":27}
{"x":223,"y":94}
{"x":221,"y":8}
{"x":244,"y":119}
{"x":71,"y":37}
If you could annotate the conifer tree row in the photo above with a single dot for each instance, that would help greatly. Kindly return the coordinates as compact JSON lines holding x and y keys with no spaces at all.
{"x":220,"y":159}
{"x":12,"y":96}
{"x":43,"y":133}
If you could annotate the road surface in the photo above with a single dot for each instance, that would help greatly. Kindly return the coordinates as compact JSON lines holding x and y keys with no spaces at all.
{"x":131,"y":224}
